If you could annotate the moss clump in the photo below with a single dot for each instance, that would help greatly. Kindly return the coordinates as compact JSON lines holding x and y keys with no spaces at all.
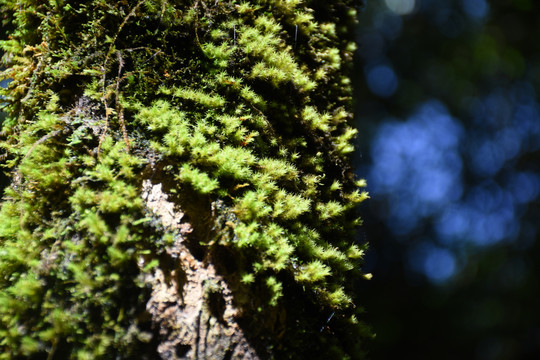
{"x":241,"y":105}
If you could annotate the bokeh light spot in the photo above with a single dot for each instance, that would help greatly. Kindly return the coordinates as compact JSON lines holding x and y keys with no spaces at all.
{"x":382,"y":80}
{"x":417,"y":165}
{"x":401,"y":7}
{"x":436,"y":263}
{"x":475,"y":9}
{"x":524,"y":187}
{"x":439,"y":264}
{"x":487,"y":157}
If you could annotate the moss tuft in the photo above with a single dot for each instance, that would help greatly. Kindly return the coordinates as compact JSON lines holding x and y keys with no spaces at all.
{"x":241,"y":104}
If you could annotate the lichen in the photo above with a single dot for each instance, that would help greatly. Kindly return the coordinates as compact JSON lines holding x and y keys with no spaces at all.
{"x":243,"y":109}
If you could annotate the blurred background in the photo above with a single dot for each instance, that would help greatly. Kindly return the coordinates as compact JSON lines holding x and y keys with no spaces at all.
{"x":449,"y":121}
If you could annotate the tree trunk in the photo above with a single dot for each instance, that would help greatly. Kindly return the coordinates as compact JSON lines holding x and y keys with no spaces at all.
{"x":191,"y":305}
{"x":180,"y":182}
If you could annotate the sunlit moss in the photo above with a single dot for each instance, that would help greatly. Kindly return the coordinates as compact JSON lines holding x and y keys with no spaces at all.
{"x":243,"y":104}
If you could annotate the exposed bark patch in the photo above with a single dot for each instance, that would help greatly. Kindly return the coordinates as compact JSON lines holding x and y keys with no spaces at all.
{"x":192,"y":306}
{"x":169,"y":214}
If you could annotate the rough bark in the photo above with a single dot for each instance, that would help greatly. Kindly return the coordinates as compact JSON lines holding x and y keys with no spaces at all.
{"x":191,"y":305}
{"x":180,"y":181}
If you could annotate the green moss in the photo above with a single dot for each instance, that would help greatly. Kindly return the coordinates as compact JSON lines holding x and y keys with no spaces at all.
{"x":242,"y":104}
{"x":200,"y":181}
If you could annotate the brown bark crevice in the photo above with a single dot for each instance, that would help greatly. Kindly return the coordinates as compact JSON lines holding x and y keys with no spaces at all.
{"x":191,"y":305}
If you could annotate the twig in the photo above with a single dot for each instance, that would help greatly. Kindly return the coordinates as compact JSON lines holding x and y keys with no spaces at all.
{"x":42,"y":140}
{"x":108,"y":110}
{"x":119,"y":107}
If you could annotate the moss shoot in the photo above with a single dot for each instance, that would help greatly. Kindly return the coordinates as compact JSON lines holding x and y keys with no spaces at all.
{"x":242,"y":106}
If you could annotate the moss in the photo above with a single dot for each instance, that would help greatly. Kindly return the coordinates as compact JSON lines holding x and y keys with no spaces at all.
{"x":244,"y":104}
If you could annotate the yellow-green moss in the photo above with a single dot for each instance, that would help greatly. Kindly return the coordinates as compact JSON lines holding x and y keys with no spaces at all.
{"x":245,"y":103}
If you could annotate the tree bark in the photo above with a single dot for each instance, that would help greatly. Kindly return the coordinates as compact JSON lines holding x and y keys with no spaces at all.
{"x":180,"y":181}
{"x":191,"y":305}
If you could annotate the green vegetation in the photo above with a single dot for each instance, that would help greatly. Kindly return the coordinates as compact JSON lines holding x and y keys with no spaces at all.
{"x":241,"y":104}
